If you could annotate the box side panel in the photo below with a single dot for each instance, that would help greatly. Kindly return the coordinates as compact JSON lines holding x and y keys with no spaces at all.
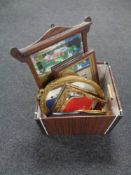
{"x":77,"y":125}
{"x":115,"y":102}
{"x":118,"y":117}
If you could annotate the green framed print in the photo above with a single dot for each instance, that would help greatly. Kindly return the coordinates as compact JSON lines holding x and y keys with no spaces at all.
{"x":55,"y":54}
{"x":84,"y":65}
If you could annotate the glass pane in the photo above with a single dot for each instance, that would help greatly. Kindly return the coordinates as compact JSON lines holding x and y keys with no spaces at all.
{"x":45,"y":59}
{"x":79,"y":66}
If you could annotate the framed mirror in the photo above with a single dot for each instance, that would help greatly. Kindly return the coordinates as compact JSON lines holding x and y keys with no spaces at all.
{"x":56,"y":45}
{"x":57,"y":53}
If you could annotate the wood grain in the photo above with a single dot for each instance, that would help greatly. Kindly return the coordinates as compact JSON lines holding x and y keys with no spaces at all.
{"x":52,"y":36}
{"x":77,"y":125}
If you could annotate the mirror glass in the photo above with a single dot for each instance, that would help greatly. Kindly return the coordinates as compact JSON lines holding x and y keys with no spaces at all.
{"x":45,"y":59}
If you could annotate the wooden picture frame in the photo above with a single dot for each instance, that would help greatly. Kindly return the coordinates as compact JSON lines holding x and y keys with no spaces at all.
{"x":64,"y":97}
{"x":57,"y":53}
{"x":54,"y":35}
{"x":80,"y":64}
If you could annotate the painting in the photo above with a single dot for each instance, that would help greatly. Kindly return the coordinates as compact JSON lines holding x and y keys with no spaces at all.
{"x":84,"y":65}
{"x":72,"y":98}
{"x":57,"y":53}
{"x":79,"y":66}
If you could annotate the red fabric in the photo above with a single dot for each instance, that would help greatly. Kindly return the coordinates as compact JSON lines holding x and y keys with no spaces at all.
{"x":78,"y":103}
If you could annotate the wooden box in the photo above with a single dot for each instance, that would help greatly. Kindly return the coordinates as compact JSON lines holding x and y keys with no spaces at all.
{"x":66,"y":124}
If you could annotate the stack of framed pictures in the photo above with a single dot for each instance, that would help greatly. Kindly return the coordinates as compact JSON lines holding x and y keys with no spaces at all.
{"x":74,"y":92}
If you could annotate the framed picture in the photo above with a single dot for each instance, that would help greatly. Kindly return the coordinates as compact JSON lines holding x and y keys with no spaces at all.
{"x":72,"y":98}
{"x":57,"y":53}
{"x":84,"y":65}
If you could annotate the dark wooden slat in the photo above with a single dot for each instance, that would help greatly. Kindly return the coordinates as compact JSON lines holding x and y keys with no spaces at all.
{"x":51,"y":32}
{"x":54,"y":39}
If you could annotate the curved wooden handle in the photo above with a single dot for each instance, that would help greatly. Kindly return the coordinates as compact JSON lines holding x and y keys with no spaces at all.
{"x":17,"y":55}
{"x":53,"y":35}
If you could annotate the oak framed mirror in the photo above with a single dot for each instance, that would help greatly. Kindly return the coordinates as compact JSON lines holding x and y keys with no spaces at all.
{"x":56,"y":45}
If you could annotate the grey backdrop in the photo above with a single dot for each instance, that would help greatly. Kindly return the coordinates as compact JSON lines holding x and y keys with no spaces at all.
{"x":23,"y":148}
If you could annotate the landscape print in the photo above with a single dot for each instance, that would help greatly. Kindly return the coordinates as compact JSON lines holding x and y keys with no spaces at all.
{"x":45,"y":59}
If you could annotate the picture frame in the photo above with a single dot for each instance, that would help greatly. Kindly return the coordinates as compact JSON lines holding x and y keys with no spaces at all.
{"x":53,"y":37}
{"x":69,"y":92}
{"x":57,"y":53}
{"x":84,"y":65}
